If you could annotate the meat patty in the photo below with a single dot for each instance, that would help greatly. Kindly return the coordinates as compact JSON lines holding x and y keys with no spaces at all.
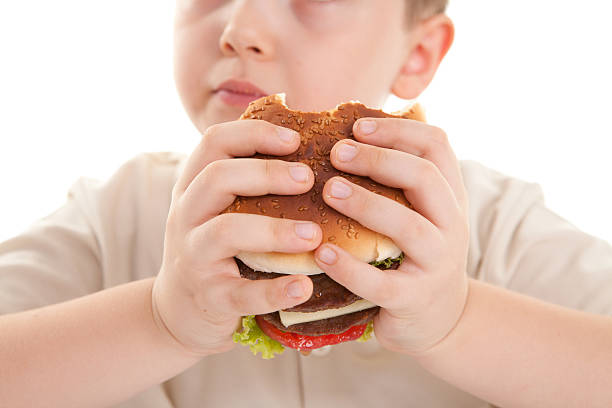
{"x":326,"y":292}
{"x":333,"y":325}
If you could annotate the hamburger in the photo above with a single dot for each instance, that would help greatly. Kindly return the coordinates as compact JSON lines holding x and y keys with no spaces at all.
{"x":333,"y":314}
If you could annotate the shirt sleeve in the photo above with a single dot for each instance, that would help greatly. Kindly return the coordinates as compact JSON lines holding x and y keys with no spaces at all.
{"x":522,"y":245}
{"x":107,"y":233}
{"x":56,"y":259}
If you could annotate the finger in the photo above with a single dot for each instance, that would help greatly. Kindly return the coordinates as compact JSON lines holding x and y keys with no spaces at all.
{"x":383,"y":288}
{"x":410,"y":231}
{"x":244,"y":297}
{"x":240,"y":138}
{"x":228,"y":234}
{"x":417,"y":138}
{"x":217,"y":186}
{"x":422,"y":182}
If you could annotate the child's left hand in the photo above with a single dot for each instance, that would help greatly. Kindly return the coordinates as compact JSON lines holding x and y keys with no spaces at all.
{"x":421,"y":301}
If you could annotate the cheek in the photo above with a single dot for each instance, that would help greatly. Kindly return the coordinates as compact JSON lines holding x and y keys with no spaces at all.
{"x":358,"y":59}
{"x":339,"y":72}
{"x":195,"y":50}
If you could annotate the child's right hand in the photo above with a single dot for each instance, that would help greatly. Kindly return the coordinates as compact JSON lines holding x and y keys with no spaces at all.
{"x":199,"y":296}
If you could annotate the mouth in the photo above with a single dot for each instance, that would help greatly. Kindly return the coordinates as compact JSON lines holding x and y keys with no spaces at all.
{"x":238,"y":93}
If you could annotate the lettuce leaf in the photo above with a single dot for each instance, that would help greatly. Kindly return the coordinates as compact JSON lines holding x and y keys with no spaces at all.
{"x":388,"y":262}
{"x":367,"y":334}
{"x":252,"y":336}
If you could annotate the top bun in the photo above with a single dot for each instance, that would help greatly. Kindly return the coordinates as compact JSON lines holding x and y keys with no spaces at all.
{"x":319,"y":132}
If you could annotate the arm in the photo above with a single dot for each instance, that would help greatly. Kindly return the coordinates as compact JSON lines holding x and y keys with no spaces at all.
{"x":103,"y":348}
{"x":532,"y":353}
{"x":498,"y":345}
{"x":97,"y":350}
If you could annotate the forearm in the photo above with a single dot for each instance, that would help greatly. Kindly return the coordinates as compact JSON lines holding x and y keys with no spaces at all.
{"x":93,"y":351}
{"x":513,"y":350}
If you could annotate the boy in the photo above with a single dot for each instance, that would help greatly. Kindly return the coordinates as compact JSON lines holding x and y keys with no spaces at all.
{"x":149,"y":242}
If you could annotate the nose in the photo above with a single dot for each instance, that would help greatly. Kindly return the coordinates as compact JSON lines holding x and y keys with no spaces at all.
{"x":248,"y":33}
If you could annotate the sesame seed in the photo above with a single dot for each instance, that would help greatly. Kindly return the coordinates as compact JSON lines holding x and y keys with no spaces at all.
{"x":331,"y":239}
{"x":324,"y":221}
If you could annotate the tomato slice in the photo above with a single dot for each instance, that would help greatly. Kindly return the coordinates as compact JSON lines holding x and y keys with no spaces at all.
{"x":303,"y":342}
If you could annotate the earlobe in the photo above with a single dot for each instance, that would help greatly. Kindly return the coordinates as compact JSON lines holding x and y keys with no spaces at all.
{"x":431,"y":40}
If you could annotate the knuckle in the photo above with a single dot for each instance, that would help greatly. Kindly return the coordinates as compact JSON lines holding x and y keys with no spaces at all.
{"x":387,"y":290}
{"x":365,"y":199}
{"x":264,"y":132}
{"x":215,"y":170}
{"x":277,"y":229}
{"x":219,"y":228}
{"x":210,"y":134}
{"x":268,"y":171}
{"x":427,"y":171}
{"x":438,"y":139}
{"x":177,"y":192}
{"x":378,"y":158}
{"x":418,"y":230}
{"x":272,"y":295}
{"x":238,"y":301}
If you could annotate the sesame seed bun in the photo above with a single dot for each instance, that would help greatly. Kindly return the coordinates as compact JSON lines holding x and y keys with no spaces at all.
{"x":319,"y":132}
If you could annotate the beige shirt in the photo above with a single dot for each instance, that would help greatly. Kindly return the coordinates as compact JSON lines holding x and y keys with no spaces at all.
{"x":109,"y":233}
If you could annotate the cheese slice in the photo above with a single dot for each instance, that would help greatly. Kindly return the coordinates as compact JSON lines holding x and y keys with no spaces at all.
{"x":289,"y":318}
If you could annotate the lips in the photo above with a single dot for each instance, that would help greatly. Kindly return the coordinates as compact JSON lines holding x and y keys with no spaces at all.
{"x":238,"y":93}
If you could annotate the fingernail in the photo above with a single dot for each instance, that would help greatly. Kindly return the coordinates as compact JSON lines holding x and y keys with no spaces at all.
{"x":295,"y":289}
{"x":327,"y":256}
{"x":367,"y":127}
{"x":305,"y":230}
{"x":299,"y":173}
{"x":346,"y":152}
{"x":340,"y":190}
{"x":286,"y":135}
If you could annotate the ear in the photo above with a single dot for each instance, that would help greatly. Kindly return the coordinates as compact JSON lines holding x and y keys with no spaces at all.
{"x":430,"y":40}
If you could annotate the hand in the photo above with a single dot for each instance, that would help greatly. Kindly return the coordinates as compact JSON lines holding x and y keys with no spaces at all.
{"x":199,"y":296}
{"x":422,"y":300}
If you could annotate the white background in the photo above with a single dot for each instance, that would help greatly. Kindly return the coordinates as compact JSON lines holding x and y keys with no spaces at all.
{"x":85,"y":85}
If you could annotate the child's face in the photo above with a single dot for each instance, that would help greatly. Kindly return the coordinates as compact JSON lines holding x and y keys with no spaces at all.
{"x":319,"y":53}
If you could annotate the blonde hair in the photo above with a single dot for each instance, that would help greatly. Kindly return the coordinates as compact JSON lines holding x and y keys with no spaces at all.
{"x":422,"y":9}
